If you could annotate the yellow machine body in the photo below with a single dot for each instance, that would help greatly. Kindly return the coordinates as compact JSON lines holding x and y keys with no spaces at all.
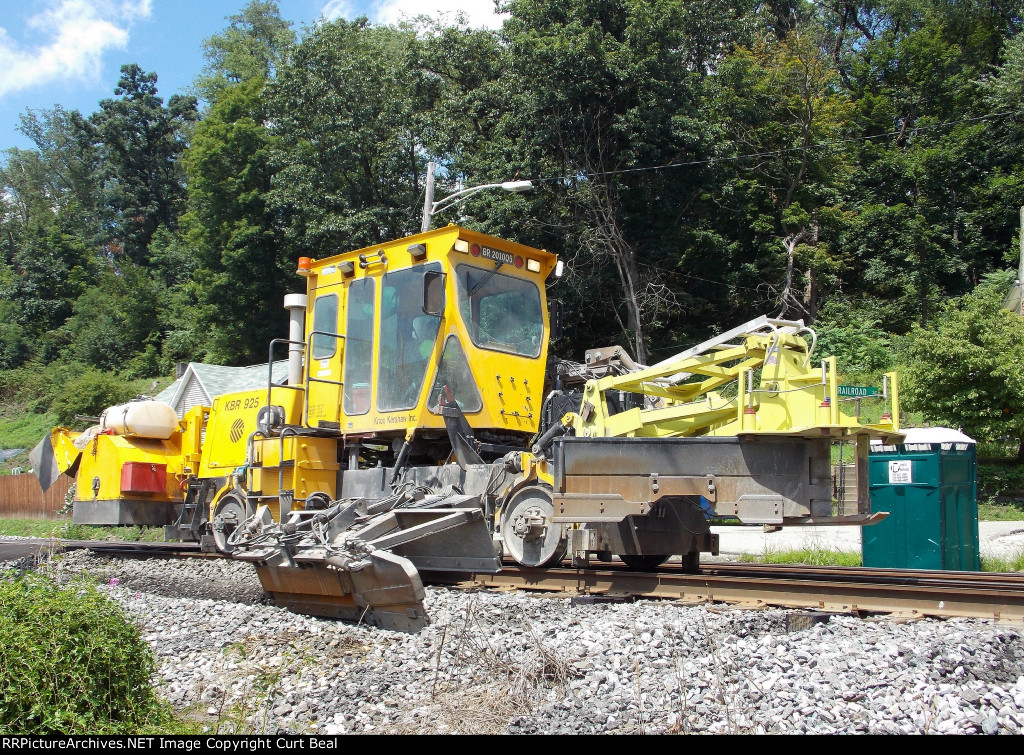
{"x":288,"y":468}
{"x":125,"y":479}
{"x":775,"y":390}
{"x":376,"y":360}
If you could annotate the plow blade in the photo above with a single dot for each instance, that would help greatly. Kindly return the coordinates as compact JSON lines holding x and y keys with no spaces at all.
{"x":386,"y":591}
{"x":371,"y":573}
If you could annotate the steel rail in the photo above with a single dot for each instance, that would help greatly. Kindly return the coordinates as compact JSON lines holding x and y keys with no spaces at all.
{"x":906,"y":593}
{"x":861,"y":573}
{"x":904,"y":598}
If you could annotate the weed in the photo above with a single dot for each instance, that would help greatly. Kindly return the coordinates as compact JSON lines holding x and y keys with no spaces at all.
{"x":71,"y":661}
{"x":495,"y":683}
{"x":1008,"y":565}
{"x":813,"y":556}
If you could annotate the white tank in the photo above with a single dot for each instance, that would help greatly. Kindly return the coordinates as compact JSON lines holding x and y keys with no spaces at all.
{"x":145,"y":419}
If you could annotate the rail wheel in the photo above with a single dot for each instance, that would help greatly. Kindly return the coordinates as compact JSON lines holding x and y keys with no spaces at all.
{"x":643,"y":563}
{"x":229,"y":513}
{"x":318,"y":502}
{"x":531,"y":538}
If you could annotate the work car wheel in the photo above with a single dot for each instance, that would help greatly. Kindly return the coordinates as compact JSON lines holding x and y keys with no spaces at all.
{"x":228,"y":515}
{"x":530,"y":537}
{"x":643,"y":563}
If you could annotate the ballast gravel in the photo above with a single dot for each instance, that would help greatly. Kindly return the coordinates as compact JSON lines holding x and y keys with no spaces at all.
{"x":520,"y":664}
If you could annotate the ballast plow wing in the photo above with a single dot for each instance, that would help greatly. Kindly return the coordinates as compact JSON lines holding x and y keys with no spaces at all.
{"x":360,"y":559}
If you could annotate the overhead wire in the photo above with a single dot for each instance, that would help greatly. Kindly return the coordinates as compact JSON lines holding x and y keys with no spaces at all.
{"x":771,"y":153}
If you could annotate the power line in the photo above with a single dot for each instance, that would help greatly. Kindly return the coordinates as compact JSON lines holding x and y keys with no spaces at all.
{"x":772,"y":153}
{"x":696,"y":277}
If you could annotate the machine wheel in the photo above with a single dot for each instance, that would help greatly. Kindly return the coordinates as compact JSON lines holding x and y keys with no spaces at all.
{"x":531,"y":538}
{"x":317,"y":502}
{"x":228,"y":515}
{"x":643,"y":563}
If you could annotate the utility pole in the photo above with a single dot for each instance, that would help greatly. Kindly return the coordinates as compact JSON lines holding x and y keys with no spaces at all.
{"x":430,"y":207}
{"x":428,"y":200}
{"x":1020,"y":270}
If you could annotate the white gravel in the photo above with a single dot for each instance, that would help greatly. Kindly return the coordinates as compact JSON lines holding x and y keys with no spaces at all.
{"x":514,"y":663}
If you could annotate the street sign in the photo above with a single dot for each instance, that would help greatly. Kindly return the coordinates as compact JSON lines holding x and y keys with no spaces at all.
{"x":857,"y":391}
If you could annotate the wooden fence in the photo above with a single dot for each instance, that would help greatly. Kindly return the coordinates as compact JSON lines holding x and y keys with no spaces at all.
{"x":21,"y":497}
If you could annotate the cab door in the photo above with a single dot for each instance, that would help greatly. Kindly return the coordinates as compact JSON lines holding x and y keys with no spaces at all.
{"x":325,"y":347}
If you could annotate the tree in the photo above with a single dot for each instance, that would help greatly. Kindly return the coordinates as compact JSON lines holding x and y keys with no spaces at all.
{"x":348,"y":161}
{"x":141,"y":142}
{"x":241,"y":270}
{"x":930,"y":204}
{"x":967,"y":370}
{"x":251,"y":47}
{"x":781,"y":109}
{"x":600,"y":91}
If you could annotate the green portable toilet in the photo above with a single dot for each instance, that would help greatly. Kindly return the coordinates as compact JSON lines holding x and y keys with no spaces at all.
{"x":928,"y":484}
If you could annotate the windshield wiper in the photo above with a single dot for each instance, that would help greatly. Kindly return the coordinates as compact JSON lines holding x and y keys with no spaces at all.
{"x":487,"y":277}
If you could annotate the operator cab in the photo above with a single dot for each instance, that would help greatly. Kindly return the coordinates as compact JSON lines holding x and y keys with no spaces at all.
{"x":388,"y":328}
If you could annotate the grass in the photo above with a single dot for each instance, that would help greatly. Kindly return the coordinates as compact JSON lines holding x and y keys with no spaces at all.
{"x":1001,"y":512}
{"x":1009,"y":565}
{"x":822,"y":557}
{"x":65,"y":530}
{"x":809,"y":556}
{"x":22,"y":429}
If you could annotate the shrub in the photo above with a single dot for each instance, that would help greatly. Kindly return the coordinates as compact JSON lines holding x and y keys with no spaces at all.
{"x":89,"y":394}
{"x":1000,"y":481}
{"x":71,"y":662}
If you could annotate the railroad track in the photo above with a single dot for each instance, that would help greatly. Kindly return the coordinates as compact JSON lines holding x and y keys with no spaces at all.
{"x":903,"y":593}
{"x":854,"y":590}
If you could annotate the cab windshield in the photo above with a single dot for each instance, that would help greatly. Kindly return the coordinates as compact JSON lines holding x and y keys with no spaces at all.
{"x":407,"y":338}
{"x":502,"y":313}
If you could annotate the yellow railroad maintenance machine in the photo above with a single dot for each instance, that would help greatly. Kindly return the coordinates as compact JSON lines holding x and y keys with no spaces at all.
{"x":422,"y":427}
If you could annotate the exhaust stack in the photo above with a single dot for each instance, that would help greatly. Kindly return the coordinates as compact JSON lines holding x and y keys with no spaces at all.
{"x":296,"y":306}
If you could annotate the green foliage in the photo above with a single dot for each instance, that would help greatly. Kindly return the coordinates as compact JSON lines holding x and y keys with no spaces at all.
{"x":849,"y":333}
{"x":810,"y":556}
{"x":88,"y":395}
{"x":966,"y":370}
{"x":696,"y":164}
{"x":141,"y":142}
{"x":249,"y":48}
{"x":348,"y":159}
{"x":1003,"y":565}
{"x":1000,"y":481}
{"x":71,"y":662}
{"x":243,"y":271}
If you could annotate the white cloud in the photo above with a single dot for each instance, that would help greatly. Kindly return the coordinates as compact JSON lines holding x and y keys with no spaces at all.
{"x":336,"y":9}
{"x":76,"y":34}
{"x":479,"y":13}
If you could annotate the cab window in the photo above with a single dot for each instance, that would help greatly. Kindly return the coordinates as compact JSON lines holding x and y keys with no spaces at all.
{"x":358,"y":347}
{"x":406,"y":338}
{"x":325,"y":320}
{"x":454,"y":374}
{"x":502,"y":313}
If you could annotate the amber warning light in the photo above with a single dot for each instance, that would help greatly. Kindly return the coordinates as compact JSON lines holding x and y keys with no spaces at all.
{"x":304,"y":265}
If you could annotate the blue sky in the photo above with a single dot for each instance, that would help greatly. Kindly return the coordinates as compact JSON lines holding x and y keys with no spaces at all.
{"x":69,"y":52}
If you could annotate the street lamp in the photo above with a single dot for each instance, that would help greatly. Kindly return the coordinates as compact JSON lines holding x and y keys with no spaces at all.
{"x":430,"y":206}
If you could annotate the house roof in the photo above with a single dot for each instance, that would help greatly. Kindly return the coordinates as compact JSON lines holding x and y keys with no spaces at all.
{"x":215,"y":380}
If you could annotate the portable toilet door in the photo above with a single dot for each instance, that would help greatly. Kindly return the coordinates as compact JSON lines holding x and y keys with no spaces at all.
{"x":928,"y":485}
